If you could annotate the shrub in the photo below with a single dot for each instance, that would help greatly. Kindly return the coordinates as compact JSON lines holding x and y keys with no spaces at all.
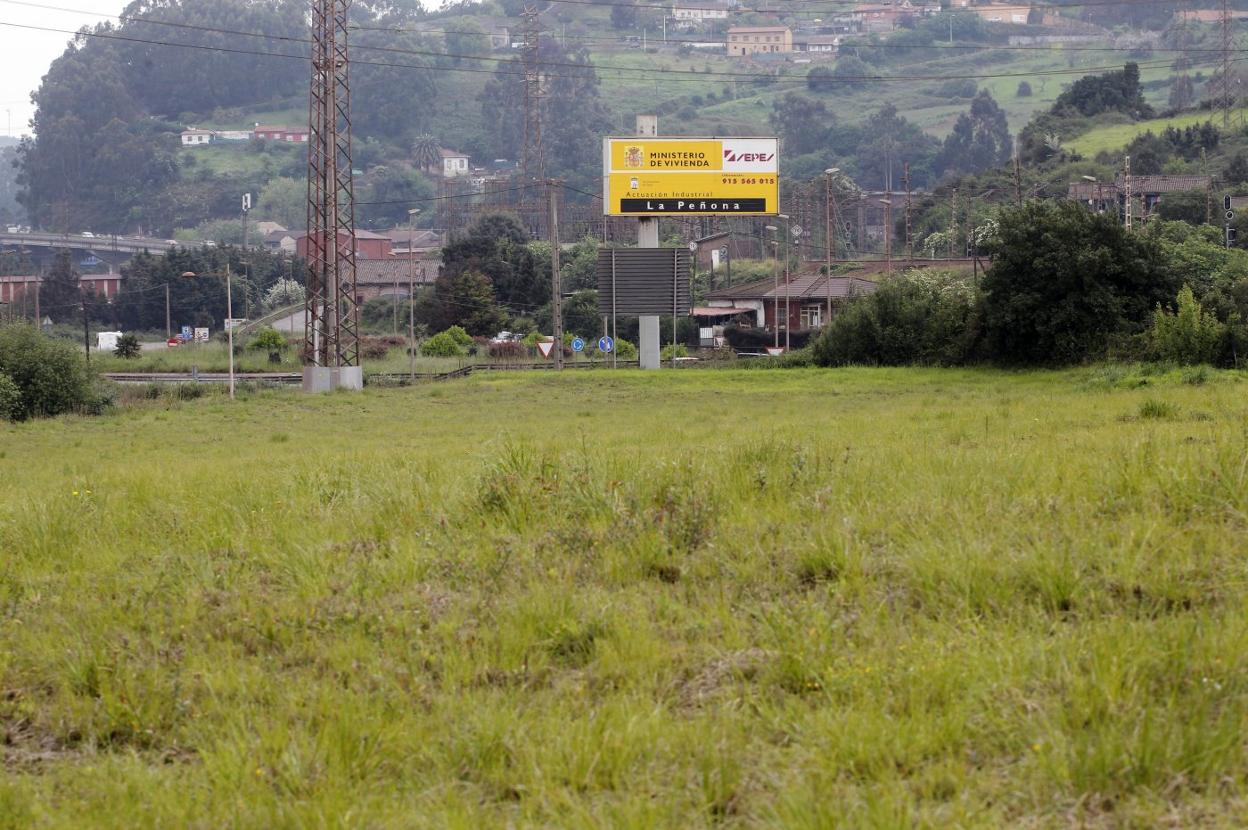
{"x":459,"y":335}
{"x":10,"y":398}
{"x":373,"y":348}
{"x":507,"y":350}
{"x":127,"y":347}
{"x":1024,"y":90}
{"x":928,"y":317}
{"x":50,"y":374}
{"x":1190,"y":335}
{"x":680,"y":349}
{"x":268,"y":339}
{"x":625,"y":350}
{"x":443,"y":344}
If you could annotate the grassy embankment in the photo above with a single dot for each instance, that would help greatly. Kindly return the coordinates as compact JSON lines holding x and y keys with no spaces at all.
{"x":877,"y":597}
{"x":1118,"y":136}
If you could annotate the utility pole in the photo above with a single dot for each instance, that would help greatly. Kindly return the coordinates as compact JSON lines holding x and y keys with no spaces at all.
{"x":38,"y":316}
{"x":1018,"y":178}
{"x":1204,"y":168}
{"x":829,"y":244}
{"x":1127,"y":181}
{"x":168,"y":316}
{"x":888,"y":235}
{"x":909,"y":240}
{"x":86,"y":336}
{"x":411,"y":298}
{"x":555,"y":289}
{"x":953,"y":222}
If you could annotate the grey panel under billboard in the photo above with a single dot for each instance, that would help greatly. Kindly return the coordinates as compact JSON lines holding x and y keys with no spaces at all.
{"x":642,"y":281}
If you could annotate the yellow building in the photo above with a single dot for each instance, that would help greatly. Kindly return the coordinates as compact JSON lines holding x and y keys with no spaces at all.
{"x":753,"y":40}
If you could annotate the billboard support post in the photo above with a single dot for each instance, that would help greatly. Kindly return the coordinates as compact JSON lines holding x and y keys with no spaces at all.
{"x":648,"y":324}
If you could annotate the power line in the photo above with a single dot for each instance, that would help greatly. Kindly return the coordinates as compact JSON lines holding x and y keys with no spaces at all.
{"x":548,"y":63}
{"x":657,"y":75}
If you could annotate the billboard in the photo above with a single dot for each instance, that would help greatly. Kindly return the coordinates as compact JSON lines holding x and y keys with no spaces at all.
{"x":643,"y":281}
{"x":666,"y":176}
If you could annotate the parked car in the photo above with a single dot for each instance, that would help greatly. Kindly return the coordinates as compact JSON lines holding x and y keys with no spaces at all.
{"x":88,"y":234}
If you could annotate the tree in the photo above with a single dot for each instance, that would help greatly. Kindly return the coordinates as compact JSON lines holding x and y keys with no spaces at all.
{"x":497,"y":246}
{"x":1182,"y":92}
{"x":624,"y":16}
{"x":851,"y":71}
{"x":821,"y":79}
{"x":980,"y":139}
{"x":801,"y":122}
{"x":467,"y":299}
{"x":128,"y":347}
{"x":284,"y":200}
{"x":60,"y":294}
{"x":427,"y":153}
{"x":1112,"y":91}
{"x":1024,"y":90}
{"x":1236,"y":169}
{"x":1064,"y":282}
{"x":466,"y":40}
{"x":580,"y":314}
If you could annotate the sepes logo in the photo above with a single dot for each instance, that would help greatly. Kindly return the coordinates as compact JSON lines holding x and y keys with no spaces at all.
{"x":733,"y":156}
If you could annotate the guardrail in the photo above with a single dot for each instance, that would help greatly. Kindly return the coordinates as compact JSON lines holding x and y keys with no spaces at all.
{"x":376,"y":378}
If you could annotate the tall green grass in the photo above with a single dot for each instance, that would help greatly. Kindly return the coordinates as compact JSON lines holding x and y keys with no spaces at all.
{"x":795,"y":598}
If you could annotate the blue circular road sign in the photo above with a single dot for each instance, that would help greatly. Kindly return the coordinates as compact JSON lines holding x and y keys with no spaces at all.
{"x":578,"y":345}
{"x":606,"y":344}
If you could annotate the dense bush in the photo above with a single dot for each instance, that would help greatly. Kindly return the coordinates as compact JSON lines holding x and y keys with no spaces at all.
{"x":443,"y":344}
{"x":1187,"y":336}
{"x":50,"y":375}
{"x":916,"y":317}
{"x":1064,"y":283}
{"x":10,"y":398}
{"x":756,"y":340}
{"x":507,"y":350}
{"x":625,"y":350}
{"x":460,"y":336}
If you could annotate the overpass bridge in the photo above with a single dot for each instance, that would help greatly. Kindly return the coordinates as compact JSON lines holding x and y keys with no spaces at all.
{"x":97,"y":244}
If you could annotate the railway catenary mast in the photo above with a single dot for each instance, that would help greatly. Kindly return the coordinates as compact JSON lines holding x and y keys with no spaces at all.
{"x":331,"y":327}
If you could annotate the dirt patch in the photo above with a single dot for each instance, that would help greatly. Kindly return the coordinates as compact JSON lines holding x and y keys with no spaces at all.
{"x":709,"y":683}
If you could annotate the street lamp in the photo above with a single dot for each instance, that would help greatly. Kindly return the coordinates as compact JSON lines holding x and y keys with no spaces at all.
{"x":829,"y":244}
{"x":788,"y":290}
{"x":775,"y":295}
{"x":229,"y":314}
{"x":411,"y":296}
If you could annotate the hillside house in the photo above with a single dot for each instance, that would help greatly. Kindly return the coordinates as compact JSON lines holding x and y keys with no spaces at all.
{"x":281,"y":240}
{"x":1146,"y":191}
{"x":295,"y":135}
{"x":817,"y":44}
{"x":376,"y":278}
{"x":21,"y":290}
{"x":699,"y":11}
{"x":196,"y":138}
{"x":762,"y":304}
{"x":753,"y":40}
{"x":368,"y":245}
{"x":454,"y":163}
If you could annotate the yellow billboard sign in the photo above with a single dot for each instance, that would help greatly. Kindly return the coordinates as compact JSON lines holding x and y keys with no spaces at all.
{"x":651,"y":176}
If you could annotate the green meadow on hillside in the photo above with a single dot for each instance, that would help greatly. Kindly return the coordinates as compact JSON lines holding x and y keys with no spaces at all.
{"x":802,"y":598}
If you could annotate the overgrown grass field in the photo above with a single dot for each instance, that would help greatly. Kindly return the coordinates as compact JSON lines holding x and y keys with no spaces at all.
{"x":799,"y":598}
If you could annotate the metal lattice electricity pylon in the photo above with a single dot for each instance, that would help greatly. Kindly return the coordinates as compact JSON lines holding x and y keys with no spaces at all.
{"x":1227,"y":92}
{"x":532,"y":165}
{"x":331,"y":328}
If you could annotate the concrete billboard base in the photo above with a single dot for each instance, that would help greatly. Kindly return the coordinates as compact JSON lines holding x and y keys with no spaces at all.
{"x":648,"y":341}
{"x":318,"y":379}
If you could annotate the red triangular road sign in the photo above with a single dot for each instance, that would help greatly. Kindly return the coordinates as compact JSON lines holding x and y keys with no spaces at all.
{"x":546,"y":347}
{"x":775,"y":351}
